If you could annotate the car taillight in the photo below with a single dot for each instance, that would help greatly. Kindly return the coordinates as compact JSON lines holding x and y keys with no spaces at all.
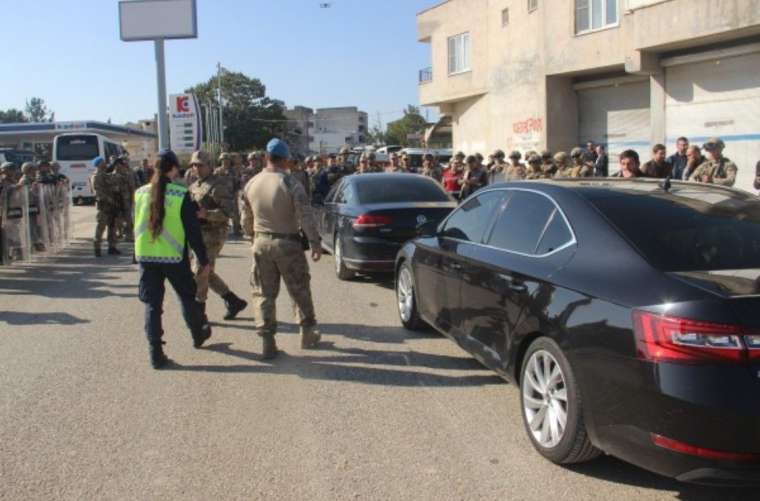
{"x":371,"y":221}
{"x":670,"y":339}
{"x":692,"y":450}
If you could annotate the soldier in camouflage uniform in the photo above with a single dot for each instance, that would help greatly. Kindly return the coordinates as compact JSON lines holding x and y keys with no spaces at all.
{"x":717,"y":169}
{"x":108,"y":202}
{"x":215,"y":203}
{"x":127,"y":187}
{"x":547,"y":164}
{"x":582,"y":167}
{"x":516,"y":169}
{"x":562,"y":164}
{"x":250,"y":170}
{"x":534,"y":167}
{"x":276,"y":209}
{"x":226,"y":172}
{"x":344,"y":164}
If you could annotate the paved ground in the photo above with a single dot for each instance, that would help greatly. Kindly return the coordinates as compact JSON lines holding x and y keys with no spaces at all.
{"x":378,"y":413}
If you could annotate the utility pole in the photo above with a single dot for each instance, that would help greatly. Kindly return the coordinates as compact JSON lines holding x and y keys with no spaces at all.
{"x":163,"y":125}
{"x":221,"y":107}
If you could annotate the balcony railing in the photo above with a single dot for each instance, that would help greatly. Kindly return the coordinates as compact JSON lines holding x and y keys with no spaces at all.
{"x":426,"y":75}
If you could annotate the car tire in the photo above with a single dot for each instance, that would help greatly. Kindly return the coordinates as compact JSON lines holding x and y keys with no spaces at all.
{"x":406,"y":299}
{"x":341,"y":271}
{"x":545,"y":398}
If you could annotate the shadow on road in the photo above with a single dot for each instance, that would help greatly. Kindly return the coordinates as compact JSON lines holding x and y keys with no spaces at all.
{"x":18,"y":318}
{"x":73,"y":275}
{"x":614,"y":470}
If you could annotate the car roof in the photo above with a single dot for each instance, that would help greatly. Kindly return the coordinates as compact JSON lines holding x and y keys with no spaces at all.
{"x":597,"y":188}
{"x":386,"y":176}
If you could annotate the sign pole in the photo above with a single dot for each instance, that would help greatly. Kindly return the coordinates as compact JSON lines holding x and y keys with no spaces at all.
{"x":163,"y":126}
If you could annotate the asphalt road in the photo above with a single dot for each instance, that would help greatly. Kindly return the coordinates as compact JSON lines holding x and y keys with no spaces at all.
{"x":377,"y":413}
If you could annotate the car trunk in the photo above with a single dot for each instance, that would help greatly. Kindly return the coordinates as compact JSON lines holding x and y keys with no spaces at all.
{"x":741,"y":287}
{"x":402,"y":219}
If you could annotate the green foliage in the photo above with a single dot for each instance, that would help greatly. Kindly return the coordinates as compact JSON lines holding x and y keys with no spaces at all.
{"x":36,"y":111}
{"x":411,"y":123}
{"x":376,"y":135}
{"x":251,"y":118}
{"x":12,"y":116}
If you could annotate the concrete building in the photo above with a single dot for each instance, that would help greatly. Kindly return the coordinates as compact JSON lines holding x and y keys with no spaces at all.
{"x":337,"y":127}
{"x":534,"y":74}
{"x":140,"y":139}
{"x":299,"y":129}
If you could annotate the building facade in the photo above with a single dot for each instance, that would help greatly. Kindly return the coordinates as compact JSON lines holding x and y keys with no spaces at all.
{"x":338,"y":127}
{"x":535,"y":74}
{"x":299,"y":129}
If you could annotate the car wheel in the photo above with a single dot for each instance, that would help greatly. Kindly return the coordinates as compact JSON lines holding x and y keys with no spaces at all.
{"x":341,"y":271}
{"x":552,"y":406}
{"x":406,"y":300}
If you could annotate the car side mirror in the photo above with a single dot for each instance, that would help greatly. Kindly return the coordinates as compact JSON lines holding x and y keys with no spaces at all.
{"x":428,"y":229}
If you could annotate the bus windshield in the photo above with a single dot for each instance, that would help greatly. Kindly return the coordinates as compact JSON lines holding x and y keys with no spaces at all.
{"x":77,"y":148}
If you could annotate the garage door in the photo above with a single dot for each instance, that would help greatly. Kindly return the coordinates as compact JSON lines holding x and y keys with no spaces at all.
{"x":616,"y":114}
{"x":718,"y":97}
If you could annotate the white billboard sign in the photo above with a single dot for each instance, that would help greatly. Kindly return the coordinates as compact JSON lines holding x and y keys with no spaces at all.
{"x":185,"y":124}
{"x":157,"y":19}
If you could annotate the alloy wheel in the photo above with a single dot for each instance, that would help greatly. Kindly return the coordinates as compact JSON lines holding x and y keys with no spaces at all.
{"x":545,"y":399}
{"x":405,"y":294}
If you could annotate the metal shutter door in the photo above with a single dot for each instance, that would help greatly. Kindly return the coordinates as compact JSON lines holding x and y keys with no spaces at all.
{"x":616,"y":116}
{"x":719,"y":97}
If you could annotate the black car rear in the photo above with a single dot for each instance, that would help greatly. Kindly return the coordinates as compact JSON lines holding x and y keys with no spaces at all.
{"x":643,"y":298}
{"x":367,"y":218}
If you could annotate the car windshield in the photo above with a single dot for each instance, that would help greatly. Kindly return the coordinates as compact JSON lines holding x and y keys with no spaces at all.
{"x":77,"y":148}
{"x":688,"y":229}
{"x":381,"y":189}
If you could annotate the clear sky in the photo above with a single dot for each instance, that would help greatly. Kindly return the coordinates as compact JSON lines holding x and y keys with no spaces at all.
{"x":355,"y":53}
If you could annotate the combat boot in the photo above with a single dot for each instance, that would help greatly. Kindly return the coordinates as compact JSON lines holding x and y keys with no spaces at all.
{"x":97,"y":251}
{"x":158,"y":358}
{"x":310,"y":337}
{"x":269,"y":350}
{"x":234,"y":305}
{"x":113,"y":251}
{"x":201,"y":335}
{"x":204,"y":320}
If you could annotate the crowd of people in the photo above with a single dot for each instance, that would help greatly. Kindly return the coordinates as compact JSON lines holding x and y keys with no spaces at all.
{"x":34,"y":217}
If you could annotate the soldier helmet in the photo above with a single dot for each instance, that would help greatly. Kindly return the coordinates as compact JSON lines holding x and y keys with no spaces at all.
{"x":560,"y":157}
{"x":534,"y":159}
{"x":199,"y":157}
{"x":499,"y":154}
{"x":344,"y":151}
{"x":714,"y":143}
{"x":27,"y":168}
{"x":577,"y":152}
{"x":460,"y":155}
{"x":479,"y":157}
{"x":546,"y":154}
{"x":515,"y":155}
{"x":224,"y":156}
{"x":252,"y":156}
{"x":7,"y":166}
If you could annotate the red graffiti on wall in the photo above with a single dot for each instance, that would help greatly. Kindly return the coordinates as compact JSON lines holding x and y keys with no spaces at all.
{"x":528,"y":126}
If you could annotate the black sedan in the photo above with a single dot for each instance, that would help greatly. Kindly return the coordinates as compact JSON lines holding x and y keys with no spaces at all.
{"x":365,"y":219}
{"x":628,"y":312}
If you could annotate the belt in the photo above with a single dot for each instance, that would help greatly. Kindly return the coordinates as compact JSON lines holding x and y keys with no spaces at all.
{"x":278,"y":236}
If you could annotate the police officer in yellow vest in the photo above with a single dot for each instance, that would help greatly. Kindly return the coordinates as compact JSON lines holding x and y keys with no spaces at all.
{"x":166,"y":222}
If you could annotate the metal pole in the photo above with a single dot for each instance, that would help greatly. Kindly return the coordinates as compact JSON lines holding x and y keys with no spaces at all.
{"x":163,"y":126}
{"x":221,"y":107}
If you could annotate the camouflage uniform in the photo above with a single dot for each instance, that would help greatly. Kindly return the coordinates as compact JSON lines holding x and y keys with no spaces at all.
{"x":228,"y":176}
{"x":127,"y":188}
{"x":276,"y":207}
{"x":562,"y":165}
{"x":548,"y":168}
{"x":516,"y":170}
{"x":534,"y":168}
{"x":579,"y":168}
{"x":722,"y":171}
{"x":108,"y":203}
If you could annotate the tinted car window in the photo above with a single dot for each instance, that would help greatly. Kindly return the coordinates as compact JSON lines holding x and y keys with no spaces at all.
{"x":522,"y":223}
{"x":688,"y":233}
{"x":556,"y":235}
{"x":77,"y":148}
{"x":383,"y":189}
{"x":331,"y":195}
{"x":471,"y":221}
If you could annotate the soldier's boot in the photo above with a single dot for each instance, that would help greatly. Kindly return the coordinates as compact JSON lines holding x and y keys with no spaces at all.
{"x":310,"y":337}
{"x":269,"y":350}
{"x":158,"y":358}
{"x":97,"y":250}
{"x":234,"y":305}
{"x":113,"y":251}
{"x":203,"y":314}
{"x":201,"y":335}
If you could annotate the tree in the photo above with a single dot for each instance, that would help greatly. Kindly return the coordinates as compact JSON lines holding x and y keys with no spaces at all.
{"x":376,"y":135}
{"x":12,"y":116}
{"x":251,"y":118}
{"x":36,"y":111}
{"x":411,"y":123}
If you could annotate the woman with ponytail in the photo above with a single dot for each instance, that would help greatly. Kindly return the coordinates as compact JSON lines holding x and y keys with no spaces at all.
{"x":166,"y":223}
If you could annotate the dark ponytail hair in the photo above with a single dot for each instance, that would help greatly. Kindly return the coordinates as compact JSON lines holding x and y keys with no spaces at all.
{"x":167,"y":162}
